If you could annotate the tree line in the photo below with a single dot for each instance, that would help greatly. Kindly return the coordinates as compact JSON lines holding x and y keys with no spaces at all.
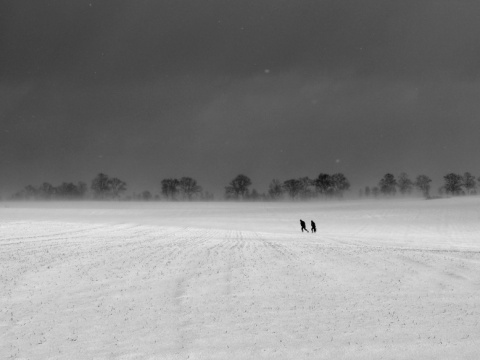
{"x":302,"y":188}
{"x":453,"y":185}
{"x":104,"y":187}
{"x":388,"y":186}
{"x":324,"y":186}
{"x":335,"y":185}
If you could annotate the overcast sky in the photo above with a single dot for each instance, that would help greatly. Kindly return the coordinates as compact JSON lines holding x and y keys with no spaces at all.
{"x":145,"y":90}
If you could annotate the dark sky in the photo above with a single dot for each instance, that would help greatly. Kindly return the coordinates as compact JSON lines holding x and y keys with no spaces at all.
{"x":145,"y":90}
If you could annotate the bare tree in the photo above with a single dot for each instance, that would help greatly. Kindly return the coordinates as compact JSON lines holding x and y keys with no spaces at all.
{"x":170,"y":188}
{"x":339,"y":184}
{"x":305,"y":191}
{"x":116,"y":187}
{"x":82,"y":189}
{"x":388,"y":185}
{"x":453,"y":184}
{"x":405,"y":185}
{"x":238,"y":187}
{"x":292,"y":187}
{"x":66,"y":191}
{"x":46,"y":191}
{"x":189,"y":188}
{"x":100,"y":186}
{"x":423,"y":184}
{"x":323,"y":184}
{"x":275,"y":189}
{"x":469,"y":183}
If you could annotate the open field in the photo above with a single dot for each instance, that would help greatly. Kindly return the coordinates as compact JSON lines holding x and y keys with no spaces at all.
{"x":379,"y":280}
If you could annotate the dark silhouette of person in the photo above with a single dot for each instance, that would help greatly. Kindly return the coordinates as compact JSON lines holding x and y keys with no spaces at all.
{"x":314,"y":227}
{"x":302,"y":224}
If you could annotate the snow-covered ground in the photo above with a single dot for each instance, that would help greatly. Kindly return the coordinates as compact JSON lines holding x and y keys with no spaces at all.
{"x":380,"y":279}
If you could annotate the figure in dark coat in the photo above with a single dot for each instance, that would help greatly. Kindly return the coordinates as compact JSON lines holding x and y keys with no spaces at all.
{"x":314,"y":227}
{"x":302,"y":224}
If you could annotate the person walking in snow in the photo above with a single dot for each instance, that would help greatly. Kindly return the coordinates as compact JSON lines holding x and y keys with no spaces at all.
{"x":314,"y":227}
{"x":302,"y":224}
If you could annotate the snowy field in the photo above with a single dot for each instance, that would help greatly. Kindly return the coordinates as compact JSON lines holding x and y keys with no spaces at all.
{"x":379,"y":280}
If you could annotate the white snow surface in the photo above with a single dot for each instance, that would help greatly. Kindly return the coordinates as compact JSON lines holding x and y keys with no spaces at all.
{"x":379,"y":280}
